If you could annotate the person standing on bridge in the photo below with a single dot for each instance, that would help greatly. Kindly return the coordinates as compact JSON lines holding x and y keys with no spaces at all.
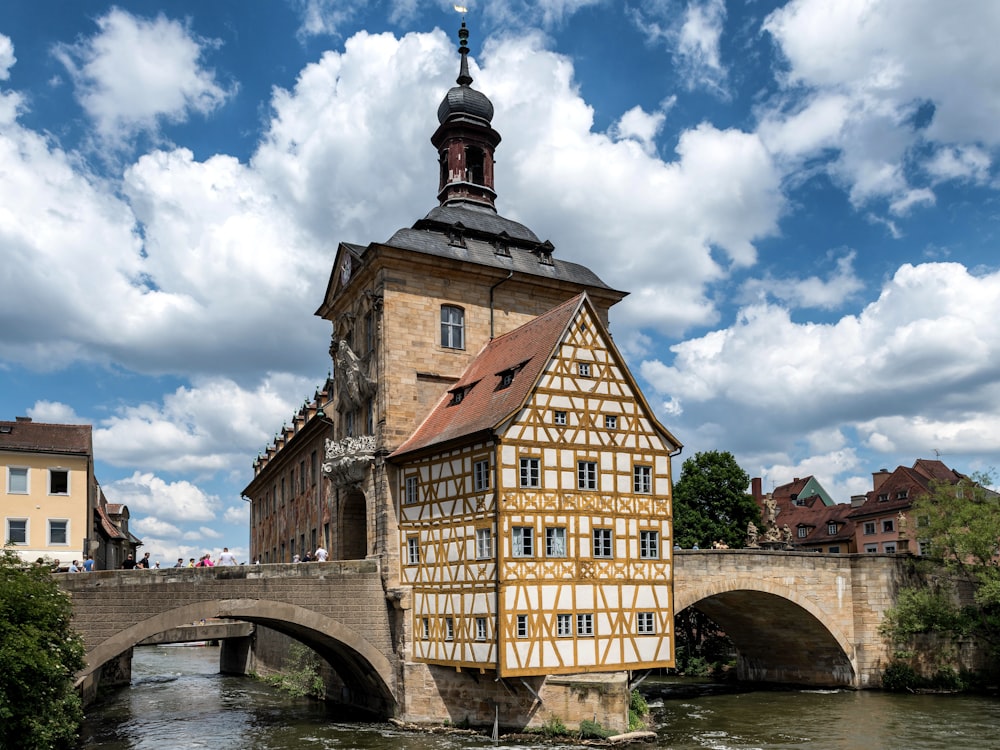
{"x":180,"y":562}
{"x":320,"y":554}
{"x":129,"y":563}
{"x":144,"y":562}
{"x":226,"y":558}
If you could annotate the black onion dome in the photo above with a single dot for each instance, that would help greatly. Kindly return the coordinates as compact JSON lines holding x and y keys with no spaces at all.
{"x":464,"y":100}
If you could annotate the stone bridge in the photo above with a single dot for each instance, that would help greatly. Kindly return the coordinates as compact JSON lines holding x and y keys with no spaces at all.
{"x":796,"y":617}
{"x":338,"y":609}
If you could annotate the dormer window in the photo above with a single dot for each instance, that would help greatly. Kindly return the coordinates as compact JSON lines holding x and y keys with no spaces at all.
{"x":831,"y":529}
{"x":458,"y":394}
{"x":803,"y":532}
{"x":501,"y":245}
{"x":883,"y":497}
{"x":902,"y":495}
{"x":506,"y":378}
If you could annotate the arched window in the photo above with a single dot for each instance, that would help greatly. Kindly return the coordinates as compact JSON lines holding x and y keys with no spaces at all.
{"x":452,"y":327}
{"x":474,"y":165}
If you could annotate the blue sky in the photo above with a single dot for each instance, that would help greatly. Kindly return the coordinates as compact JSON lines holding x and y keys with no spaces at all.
{"x":801,"y":198}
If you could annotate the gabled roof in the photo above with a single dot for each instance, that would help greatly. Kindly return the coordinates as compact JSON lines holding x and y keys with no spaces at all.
{"x":25,"y":435}
{"x":483,"y":404}
{"x":479,"y":402}
{"x":817,"y":517}
{"x":910,"y":482}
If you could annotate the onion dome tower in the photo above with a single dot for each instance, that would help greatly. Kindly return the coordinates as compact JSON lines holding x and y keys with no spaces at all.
{"x":465,"y":140}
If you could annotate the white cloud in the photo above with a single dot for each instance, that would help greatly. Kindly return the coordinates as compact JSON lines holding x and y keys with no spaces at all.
{"x":812,"y":292}
{"x":146,"y":493}
{"x":925,"y":348}
{"x":209,"y":427}
{"x":886,"y":72}
{"x":640,"y":126}
{"x":957,"y":163}
{"x":135,"y":71}
{"x":238,"y":514}
{"x":54,"y":412}
{"x":7,"y":58}
{"x":151,"y":525}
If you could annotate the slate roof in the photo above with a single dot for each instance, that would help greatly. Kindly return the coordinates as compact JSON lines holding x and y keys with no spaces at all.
{"x":482,"y":228}
{"x":39,"y":437}
{"x":484,"y":404}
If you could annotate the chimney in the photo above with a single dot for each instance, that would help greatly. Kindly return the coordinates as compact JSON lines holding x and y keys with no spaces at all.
{"x":22,"y":419}
{"x":879,"y":477}
{"x":858,"y":500}
{"x":755,"y":489}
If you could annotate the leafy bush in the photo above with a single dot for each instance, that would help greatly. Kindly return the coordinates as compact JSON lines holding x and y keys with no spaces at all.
{"x":638,"y":710}
{"x":899,"y":677}
{"x":39,"y":657}
{"x":300,"y":676}
{"x":554,"y":727}
{"x":592,"y":730}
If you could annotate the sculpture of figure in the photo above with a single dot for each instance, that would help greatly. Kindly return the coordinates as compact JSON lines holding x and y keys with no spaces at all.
{"x":347,"y":460}
{"x":901,"y":523}
{"x":353,"y":385}
{"x":751,"y":534}
{"x":786,"y":535}
{"x":771,"y":509}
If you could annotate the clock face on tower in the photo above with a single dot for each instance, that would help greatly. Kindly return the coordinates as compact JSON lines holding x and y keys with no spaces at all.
{"x":345,"y":270}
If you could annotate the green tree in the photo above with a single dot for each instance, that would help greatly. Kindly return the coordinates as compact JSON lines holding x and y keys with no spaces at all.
{"x":711,"y":502}
{"x":960,"y":526}
{"x":39,"y":655}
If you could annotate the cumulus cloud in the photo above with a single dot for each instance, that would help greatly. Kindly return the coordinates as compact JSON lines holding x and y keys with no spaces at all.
{"x":146,"y":493}
{"x":153,"y":526}
{"x":135,"y":71}
{"x":884,"y":75}
{"x":923,"y":353}
{"x":211,"y":426}
{"x":54,"y":412}
{"x":7,"y":58}
{"x":811,"y":292}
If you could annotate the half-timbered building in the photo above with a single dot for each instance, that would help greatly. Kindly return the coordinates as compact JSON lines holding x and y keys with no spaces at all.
{"x":535,"y":513}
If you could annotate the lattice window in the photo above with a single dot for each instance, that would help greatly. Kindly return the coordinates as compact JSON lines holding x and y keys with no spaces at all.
{"x":531,"y":474}
{"x":585,"y":625}
{"x":603,"y":543}
{"x":645,"y":623}
{"x":555,"y":541}
{"x":484,"y":544}
{"x":564,"y":626}
{"x":413,"y":550}
{"x":452,"y":327}
{"x":642,"y":479}
{"x":523,"y":541}
{"x":481,"y":474}
{"x":412,"y":491}
{"x":586,"y":475}
{"x":522,"y":626}
{"x":649,"y":545}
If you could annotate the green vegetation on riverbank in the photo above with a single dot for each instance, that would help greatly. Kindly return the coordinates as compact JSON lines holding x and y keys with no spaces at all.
{"x":39,"y":656}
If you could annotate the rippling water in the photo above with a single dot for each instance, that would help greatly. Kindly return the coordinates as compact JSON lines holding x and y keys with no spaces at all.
{"x":178,"y":700}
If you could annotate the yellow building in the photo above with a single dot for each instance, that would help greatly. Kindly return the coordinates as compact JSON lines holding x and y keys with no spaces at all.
{"x":49,"y":491}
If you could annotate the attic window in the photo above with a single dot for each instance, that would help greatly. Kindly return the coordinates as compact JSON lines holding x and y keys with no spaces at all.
{"x":545,"y":258}
{"x":883,"y":497}
{"x":507,"y":376}
{"x":831,"y":529}
{"x":803,"y":532}
{"x":902,"y":494}
{"x":501,"y":245}
{"x":5,"y":429}
{"x":458,"y":394}
{"x":456,"y":237}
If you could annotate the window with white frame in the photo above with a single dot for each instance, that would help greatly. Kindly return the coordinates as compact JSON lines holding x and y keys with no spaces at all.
{"x":564,"y":626}
{"x":523,"y":541}
{"x":583,"y":369}
{"x":17,"y":480}
{"x":889,"y":548}
{"x":871,"y":548}
{"x":649,"y":545}
{"x":887,"y":525}
{"x":586,"y":475}
{"x":481,"y":630}
{"x":603,"y":543}
{"x":412,"y":492}
{"x":522,"y":626}
{"x":425,"y":628}
{"x":17,"y":531}
{"x":645,"y":623}
{"x":449,"y":628}
{"x":585,"y":624}
{"x":803,"y":532}
{"x":58,"y":531}
{"x":831,"y":528}
{"x":642,"y":479}
{"x":555,"y":541}
{"x":610,"y":422}
{"x":452,"y":327}
{"x":481,"y":475}
{"x":834,"y":549}
{"x":484,"y":544}
{"x":869,"y":528}
{"x":58,"y":482}
{"x":531,"y":472}
{"x":413,"y":550}
{"x":559,"y":417}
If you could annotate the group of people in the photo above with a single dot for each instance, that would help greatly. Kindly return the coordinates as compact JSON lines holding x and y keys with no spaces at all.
{"x":77,"y":567}
{"x":318,"y":556}
{"x":205,"y":561}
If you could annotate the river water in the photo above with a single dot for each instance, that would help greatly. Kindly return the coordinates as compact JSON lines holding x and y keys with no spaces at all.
{"x":178,"y":700}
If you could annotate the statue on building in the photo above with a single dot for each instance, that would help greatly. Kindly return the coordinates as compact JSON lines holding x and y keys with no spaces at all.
{"x":751,"y":534}
{"x":354,"y":387}
{"x":770,"y":509}
{"x":786,"y":535}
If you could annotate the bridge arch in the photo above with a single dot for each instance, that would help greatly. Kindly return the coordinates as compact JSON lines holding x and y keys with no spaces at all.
{"x":348,"y":652}
{"x":780,"y":636}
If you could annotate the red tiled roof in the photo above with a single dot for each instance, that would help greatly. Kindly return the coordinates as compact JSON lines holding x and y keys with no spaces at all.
{"x":818,"y":517}
{"x":108,"y":527}
{"x":911,"y":482}
{"x":38,"y":437}
{"x":484,"y":404}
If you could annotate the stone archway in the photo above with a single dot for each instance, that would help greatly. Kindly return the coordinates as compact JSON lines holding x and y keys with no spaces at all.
{"x":348,"y":652}
{"x":353,"y":534}
{"x":778,"y":640}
